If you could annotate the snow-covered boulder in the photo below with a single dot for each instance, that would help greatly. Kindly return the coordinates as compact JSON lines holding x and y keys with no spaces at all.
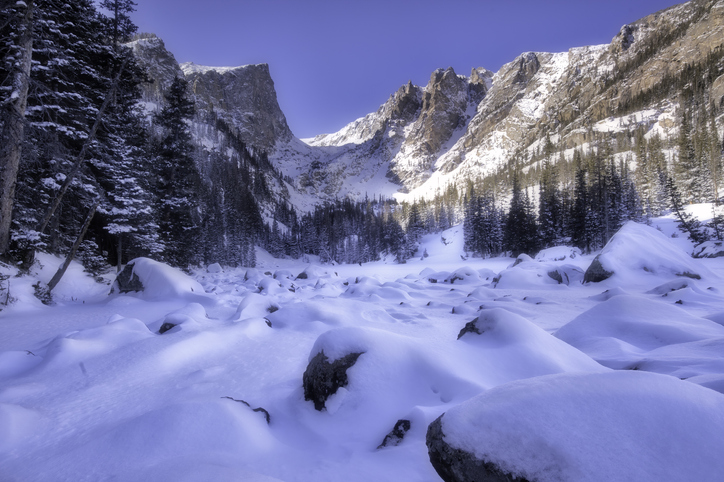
{"x":154,"y":280}
{"x":621,"y":331}
{"x":619,"y":425}
{"x":214,"y":268}
{"x":464,"y":276}
{"x":638,"y":249}
{"x":313,"y":272}
{"x":523,"y":347}
{"x":528,"y":273}
{"x":323,"y":377}
{"x":709,"y":249}
{"x":558,"y":253}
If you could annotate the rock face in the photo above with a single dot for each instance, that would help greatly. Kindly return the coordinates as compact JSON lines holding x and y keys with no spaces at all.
{"x":565,"y":94}
{"x":396,"y":435}
{"x":458,"y":128}
{"x":322,"y":379}
{"x":596,"y":272}
{"x":455,"y":465}
{"x":127,"y":281}
{"x":245,"y":98}
{"x":161,"y":65}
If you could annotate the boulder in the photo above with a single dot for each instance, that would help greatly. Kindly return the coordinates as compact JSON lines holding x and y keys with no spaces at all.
{"x":396,"y":435}
{"x":640,"y":249}
{"x":595,"y":427}
{"x":127,"y":281}
{"x":154,"y":280}
{"x":323,"y":378}
{"x":456,"y":465}
{"x":596,"y":272}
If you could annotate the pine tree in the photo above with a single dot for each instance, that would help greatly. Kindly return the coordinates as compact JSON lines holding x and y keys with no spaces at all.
{"x":118,"y":24}
{"x":178,"y":179}
{"x":687,"y":167}
{"x":580,"y":226}
{"x":16,"y":50}
{"x":687,"y":222}
{"x":550,"y":211}
{"x":521,"y":230}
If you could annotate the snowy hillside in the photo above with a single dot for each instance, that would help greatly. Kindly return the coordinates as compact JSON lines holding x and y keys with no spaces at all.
{"x":216,"y":376}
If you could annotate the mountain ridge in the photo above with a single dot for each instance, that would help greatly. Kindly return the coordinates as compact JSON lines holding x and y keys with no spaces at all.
{"x":457,"y":128}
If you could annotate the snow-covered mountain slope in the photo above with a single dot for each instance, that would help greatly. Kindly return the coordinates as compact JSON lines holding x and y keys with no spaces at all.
{"x":564,"y":96}
{"x":457,"y":128}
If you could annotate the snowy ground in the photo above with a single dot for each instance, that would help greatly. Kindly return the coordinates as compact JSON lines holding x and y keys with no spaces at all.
{"x":90,"y":391}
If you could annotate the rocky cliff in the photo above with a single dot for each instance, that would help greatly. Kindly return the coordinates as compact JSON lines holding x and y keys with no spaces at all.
{"x":458,"y":128}
{"x":566,"y":97}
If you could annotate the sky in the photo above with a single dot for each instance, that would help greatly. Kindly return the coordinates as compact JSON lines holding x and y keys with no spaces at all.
{"x":333,"y":61}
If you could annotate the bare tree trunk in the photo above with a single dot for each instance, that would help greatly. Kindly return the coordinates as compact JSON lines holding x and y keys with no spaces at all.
{"x":119,"y":253}
{"x":61,"y":271}
{"x":15,"y":126}
{"x":81,"y":157}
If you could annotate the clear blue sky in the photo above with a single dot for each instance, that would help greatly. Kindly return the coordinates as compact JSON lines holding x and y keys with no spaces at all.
{"x":333,"y":61}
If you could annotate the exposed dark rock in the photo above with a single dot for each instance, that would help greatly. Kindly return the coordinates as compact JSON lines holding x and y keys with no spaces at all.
{"x":556,"y":276}
{"x":127,"y":281}
{"x":689,"y":275}
{"x":165,"y":327}
{"x":302,"y":275}
{"x":455,"y":465}
{"x":396,"y":435}
{"x":470,"y":327}
{"x":528,"y":66}
{"x":322,"y":379}
{"x":596,"y":272}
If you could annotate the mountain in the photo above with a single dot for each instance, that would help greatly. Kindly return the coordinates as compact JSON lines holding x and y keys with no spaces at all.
{"x":458,"y":128}
{"x":237,"y":114}
{"x":565,"y":96}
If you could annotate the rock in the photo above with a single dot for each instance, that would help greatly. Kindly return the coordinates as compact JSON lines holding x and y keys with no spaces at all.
{"x":554,"y":274}
{"x":165,"y":327}
{"x":455,"y":465}
{"x":241,"y":96}
{"x":396,"y":435}
{"x":596,"y":272}
{"x":528,"y":66}
{"x":322,"y":379}
{"x":127,"y":281}
{"x":470,"y":327}
{"x":709,"y":249}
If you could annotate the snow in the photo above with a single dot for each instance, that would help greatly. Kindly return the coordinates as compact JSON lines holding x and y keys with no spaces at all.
{"x":639,"y":249}
{"x":595,"y":427}
{"x":90,"y":390}
{"x":189,"y":68}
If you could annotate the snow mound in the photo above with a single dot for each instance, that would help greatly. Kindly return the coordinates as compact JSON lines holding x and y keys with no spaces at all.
{"x":161,"y":281}
{"x":465,"y":275}
{"x":527,"y":273}
{"x":81,"y":345}
{"x":709,"y":249}
{"x":558,"y":253}
{"x":636,"y":249}
{"x":197,"y":431}
{"x":620,"y":331}
{"x":524,"y":348}
{"x":594,"y":427}
{"x":394,"y":372}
